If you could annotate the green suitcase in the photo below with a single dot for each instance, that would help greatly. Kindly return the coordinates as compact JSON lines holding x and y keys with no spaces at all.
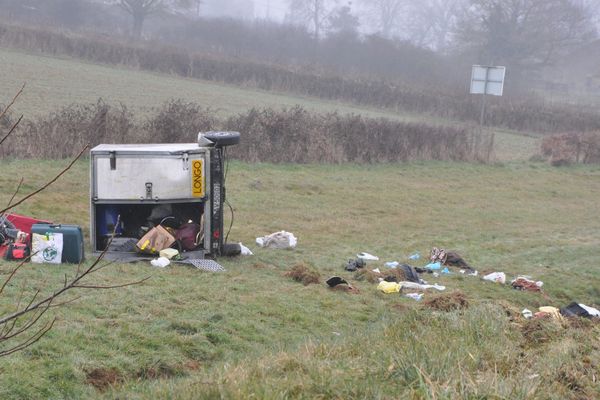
{"x":72,"y":240}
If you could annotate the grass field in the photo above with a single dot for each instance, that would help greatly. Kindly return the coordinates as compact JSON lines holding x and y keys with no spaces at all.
{"x":253,"y":333}
{"x":54,"y":82}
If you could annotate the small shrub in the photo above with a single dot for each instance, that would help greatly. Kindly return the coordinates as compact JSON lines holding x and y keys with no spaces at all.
{"x":569,"y":148}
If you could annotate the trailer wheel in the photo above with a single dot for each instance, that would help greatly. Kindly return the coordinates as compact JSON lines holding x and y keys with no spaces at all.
{"x":220,"y":139}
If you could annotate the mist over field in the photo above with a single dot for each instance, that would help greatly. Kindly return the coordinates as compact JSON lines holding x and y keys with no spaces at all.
{"x":363,"y":127}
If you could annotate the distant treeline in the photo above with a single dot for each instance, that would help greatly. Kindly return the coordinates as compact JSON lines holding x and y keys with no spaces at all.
{"x":525,"y":114}
{"x":279,"y":136}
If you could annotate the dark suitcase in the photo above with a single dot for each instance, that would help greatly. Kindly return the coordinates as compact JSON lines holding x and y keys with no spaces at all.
{"x":72,"y":240}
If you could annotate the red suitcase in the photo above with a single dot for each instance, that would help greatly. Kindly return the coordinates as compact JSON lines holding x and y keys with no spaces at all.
{"x":24,"y":223}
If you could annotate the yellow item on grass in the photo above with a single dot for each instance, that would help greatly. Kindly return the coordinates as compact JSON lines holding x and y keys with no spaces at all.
{"x":389,"y":287}
{"x":553,"y":311}
{"x":168,"y":253}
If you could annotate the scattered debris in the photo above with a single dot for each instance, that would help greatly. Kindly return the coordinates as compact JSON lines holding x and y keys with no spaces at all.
{"x":446,"y":271}
{"x":303,"y":274}
{"x":527,"y":313}
{"x":389,"y":287}
{"x":160,"y":262}
{"x":377,"y":271}
{"x":245,"y":251}
{"x":414,"y":296}
{"x":336,"y":280}
{"x":169,"y":253}
{"x":278,"y":240}
{"x":410,"y":273}
{"x":579,"y":310}
{"x":499,"y":277}
{"x":392,"y":264}
{"x":367,"y":257}
{"x":418,"y":286}
{"x":414,"y":256}
{"x":157,"y":239}
{"x":523,"y":283}
{"x":340,"y":284}
{"x":353,"y":265}
{"x":548,"y":311}
{"x":449,"y":258}
{"x":433,"y":266}
{"x":47,"y":248}
{"x":366,"y":275}
{"x":448,"y":301}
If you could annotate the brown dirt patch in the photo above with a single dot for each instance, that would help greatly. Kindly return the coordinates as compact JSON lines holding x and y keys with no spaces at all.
{"x":512,"y":312}
{"x":192,"y":365}
{"x":448,"y":301}
{"x":540,"y":330}
{"x":345,"y":288}
{"x":582,"y":323}
{"x":365,"y":274}
{"x":103,"y":378}
{"x":303,"y":274}
{"x":158,"y":371}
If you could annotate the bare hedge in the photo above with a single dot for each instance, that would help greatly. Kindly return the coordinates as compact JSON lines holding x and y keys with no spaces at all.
{"x":279,"y":136}
{"x":521,"y":114}
{"x":569,"y":148}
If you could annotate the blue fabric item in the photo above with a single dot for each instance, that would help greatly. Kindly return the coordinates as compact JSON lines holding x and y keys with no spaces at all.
{"x":446,"y":271}
{"x":434,"y":266}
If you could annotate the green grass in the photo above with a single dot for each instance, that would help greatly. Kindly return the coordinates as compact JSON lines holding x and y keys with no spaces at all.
{"x":57,"y":82}
{"x":253,"y":333}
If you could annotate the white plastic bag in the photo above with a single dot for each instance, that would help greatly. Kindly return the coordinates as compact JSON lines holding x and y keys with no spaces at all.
{"x":47,"y":248}
{"x":367,"y":257}
{"x":499,"y":277}
{"x":245,"y":251}
{"x":160,"y":262}
{"x":278,"y":240}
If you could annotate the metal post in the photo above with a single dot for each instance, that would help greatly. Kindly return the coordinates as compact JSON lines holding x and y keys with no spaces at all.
{"x":490,"y":145}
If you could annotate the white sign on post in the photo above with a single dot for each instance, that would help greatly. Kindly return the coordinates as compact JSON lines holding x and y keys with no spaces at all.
{"x":487,"y":80}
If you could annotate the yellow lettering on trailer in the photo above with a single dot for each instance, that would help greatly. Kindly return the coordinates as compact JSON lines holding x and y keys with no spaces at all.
{"x":197,"y":178}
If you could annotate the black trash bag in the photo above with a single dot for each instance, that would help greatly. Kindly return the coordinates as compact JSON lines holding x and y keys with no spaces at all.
{"x":410,"y":273}
{"x":336,"y":280}
{"x":353,"y":265}
{"x":574,"y":310}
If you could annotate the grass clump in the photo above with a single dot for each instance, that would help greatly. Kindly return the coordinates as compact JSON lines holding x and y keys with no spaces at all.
{"x":448,"y":301}
{"x":304,"y":274}
{"x":538,"y":331}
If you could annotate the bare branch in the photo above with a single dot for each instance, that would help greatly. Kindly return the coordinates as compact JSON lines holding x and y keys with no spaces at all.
{"x":15,"y":193}
{"x":11,"y":130}
{"x":13,"y":272}
{"x":37,"y":336}
{"x":12,"y":102}
{"x":112,"y":286}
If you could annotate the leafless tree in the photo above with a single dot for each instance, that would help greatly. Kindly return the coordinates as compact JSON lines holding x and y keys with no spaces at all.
{"x":429,"y":23}
{"x":139,"y":10}
{"x":387,"y":14}
{"x":311,"y":12}
{"x":524,"y":34}
{"x":25,"y":325}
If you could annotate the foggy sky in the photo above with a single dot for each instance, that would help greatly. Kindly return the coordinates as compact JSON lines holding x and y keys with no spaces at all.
{"x":272,"y":9}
